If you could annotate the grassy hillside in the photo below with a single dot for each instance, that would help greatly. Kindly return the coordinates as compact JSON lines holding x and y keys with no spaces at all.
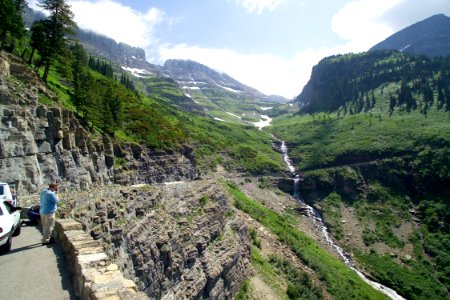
{"x":328,"y":139}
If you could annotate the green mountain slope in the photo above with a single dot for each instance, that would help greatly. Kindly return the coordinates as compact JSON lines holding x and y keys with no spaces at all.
{"x":372,"y":144}
{"x":348,"y":82}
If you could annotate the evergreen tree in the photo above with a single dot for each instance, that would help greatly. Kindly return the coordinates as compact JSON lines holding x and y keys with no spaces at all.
{"x":11,"y":21}
{"x":392,"y":104}
{"x":106,"y":118}
{"x":38,"y":39}
{"x":115,"y":106}
{"x":59,"y":24}
{"x":127,"y":82}
{"x":79,"y":96}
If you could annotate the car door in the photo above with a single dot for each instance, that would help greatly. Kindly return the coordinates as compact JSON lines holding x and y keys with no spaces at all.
{"x":6,"y":223}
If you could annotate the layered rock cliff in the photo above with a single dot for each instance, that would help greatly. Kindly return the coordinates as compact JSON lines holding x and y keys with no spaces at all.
{"x":40,"y":144}
{"x":178,"y":240}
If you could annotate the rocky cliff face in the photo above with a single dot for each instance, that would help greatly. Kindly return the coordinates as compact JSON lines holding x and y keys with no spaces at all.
{"x":39,"y":145}
{"x":177,"y":241}
{"x":120,"y":53}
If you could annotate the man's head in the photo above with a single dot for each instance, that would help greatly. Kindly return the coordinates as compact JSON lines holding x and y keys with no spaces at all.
{"x":53,"y":187}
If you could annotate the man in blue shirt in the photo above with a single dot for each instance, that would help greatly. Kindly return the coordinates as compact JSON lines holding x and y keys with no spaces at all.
{"x":48,"y":202}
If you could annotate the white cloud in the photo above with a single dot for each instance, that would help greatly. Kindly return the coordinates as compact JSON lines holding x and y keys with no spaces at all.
{"x":115,"y":20}
{"x":360,"y":22}
{"x":258,"y":6}
{"x":119,"y":22}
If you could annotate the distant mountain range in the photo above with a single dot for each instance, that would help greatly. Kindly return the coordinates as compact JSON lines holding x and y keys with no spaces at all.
{"x":188,"y":74}
{"x":430,"y":37}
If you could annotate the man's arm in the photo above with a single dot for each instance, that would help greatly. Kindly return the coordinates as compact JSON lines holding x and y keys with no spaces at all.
{"x":53,"y":198}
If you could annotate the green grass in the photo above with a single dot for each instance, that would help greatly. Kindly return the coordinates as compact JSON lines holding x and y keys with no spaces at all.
{"x":341,"y":282}
{"x":412,"y":280}
{"x":267,"y":273}
{"x":331,"y":207}
{"x":299,"y":283}
{"x":244,"y":292}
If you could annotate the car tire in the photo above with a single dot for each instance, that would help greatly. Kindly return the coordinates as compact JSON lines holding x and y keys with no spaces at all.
{"x":17,"y":231}
{"x":6,"y":247}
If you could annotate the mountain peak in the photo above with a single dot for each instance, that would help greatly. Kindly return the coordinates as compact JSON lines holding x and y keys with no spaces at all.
{"x":430,"y":37}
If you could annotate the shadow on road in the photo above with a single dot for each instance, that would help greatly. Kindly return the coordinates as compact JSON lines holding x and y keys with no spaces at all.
{"x":64,"y":271}
{"x":24,"y":248}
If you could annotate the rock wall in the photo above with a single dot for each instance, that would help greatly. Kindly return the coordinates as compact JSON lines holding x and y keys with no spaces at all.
{"x":94,"y":276}
{"x":39,"y":144}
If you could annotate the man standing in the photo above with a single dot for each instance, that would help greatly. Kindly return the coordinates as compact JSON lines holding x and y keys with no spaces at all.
{"x":48,"y":201}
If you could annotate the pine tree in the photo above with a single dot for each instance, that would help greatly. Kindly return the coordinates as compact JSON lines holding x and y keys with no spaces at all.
{"x":38,"y":39}
{"x":115,"y":105}
{"x":392,"y":104}
{"x":59,"y":24}
{"x":11,"y":21}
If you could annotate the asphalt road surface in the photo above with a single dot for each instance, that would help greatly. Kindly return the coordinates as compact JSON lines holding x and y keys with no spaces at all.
{"x":33,"y":271}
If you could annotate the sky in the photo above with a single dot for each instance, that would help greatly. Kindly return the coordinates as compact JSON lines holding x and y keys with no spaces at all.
{"x":270,"y":45}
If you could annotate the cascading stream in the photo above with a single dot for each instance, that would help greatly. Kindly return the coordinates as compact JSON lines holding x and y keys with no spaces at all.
{"x":319,"y":223}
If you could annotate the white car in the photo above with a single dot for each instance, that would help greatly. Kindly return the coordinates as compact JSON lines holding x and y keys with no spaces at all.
{"x":10,"y":225}
{"x":6,"y":195}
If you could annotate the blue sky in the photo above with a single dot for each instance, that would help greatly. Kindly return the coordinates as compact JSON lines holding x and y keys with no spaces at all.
{"x":270,"y":45}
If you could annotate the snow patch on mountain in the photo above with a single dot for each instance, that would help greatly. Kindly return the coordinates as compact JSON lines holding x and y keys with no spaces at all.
{"x":406,"y":47}
{"x":228,"y":89}
{"x":141,"y":73}
{"x":231,"y":114}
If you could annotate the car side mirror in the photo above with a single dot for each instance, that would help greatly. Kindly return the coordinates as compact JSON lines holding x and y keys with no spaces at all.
{"x":17,"y":208}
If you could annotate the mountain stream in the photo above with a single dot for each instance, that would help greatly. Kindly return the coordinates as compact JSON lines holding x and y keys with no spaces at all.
{"x":319,"y":223}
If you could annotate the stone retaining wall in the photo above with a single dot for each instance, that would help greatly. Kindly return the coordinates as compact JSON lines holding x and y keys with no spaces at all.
{"x":95,"y":277}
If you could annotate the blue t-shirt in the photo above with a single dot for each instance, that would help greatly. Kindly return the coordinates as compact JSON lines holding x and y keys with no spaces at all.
{"x":48,"y":202}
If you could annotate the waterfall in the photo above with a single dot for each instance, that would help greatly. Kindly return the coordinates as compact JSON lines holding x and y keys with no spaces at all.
{"x":319,"y":223}
{"x":297,"y":188}
{"x":287,"y":160}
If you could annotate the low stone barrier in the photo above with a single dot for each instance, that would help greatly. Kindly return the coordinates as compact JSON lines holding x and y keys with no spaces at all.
{"x":95,"y":277}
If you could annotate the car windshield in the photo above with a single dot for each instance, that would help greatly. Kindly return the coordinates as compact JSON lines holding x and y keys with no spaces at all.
{"x":2,"y":189}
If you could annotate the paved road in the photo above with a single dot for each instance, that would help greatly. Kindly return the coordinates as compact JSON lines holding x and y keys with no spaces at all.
{"x":33,"y":271}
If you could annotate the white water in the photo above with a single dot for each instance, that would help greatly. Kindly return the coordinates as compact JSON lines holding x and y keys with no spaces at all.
{"x":318,"y":222}
{"x":286,"y":158}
